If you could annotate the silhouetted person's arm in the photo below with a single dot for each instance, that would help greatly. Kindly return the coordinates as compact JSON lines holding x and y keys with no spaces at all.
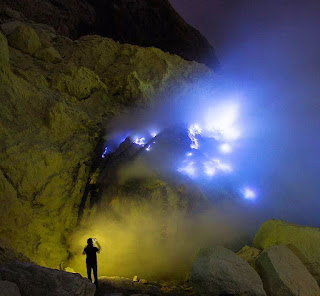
{"x":98,"y":245}
{"x":83,"y":253}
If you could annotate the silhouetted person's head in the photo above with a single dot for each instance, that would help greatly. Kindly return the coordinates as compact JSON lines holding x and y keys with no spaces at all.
{"x":89,"y":242}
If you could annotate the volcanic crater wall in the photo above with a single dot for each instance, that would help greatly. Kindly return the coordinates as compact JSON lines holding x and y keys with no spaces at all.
{"x":57,"y":95}
{"x":140,"y":22}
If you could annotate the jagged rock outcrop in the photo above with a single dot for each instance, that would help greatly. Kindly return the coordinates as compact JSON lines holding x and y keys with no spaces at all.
{"x":52,"y":123}
{"x":35,"y":280}
{"x":140,"y":22}
{"x":218,"y":271}
{"x":303,"y":241}
{"x":283,"y":274}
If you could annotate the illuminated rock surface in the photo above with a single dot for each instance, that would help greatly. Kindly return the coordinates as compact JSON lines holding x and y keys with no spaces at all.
{"x":35,"y":280}
{"x":303,"y":241}
{"x":283,"y":274}
{"x":52,"y":123}
{"x":218,"y":271}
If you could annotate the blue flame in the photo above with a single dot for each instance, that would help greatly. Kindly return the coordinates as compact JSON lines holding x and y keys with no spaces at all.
{"x":104,"y":152}
{"x":249,"y":193}
{"x":188,"y":169}
{"x":140,"y":141}
{"x":225,"y":148}
{"x":153,"y":134}
{"x":215,"y":133}
{"x":194,"y":130}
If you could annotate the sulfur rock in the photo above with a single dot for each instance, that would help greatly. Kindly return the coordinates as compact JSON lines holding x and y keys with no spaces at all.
{"x":79,"y":82}
{"x":48,"y":55}
{"x":25,"y":39}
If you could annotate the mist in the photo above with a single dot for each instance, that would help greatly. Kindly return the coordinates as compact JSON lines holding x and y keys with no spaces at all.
{"x":276,"y":63}
{"x":270,"y":61}
{"x":269,"y":50}
{"x":140,"y":239}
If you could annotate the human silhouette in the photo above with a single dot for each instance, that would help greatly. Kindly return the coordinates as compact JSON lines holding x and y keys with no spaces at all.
{"x":91,"y":251}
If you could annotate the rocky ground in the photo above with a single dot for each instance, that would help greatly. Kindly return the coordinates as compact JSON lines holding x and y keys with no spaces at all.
{"x":276,"y":270}
{"x":117,"y":286}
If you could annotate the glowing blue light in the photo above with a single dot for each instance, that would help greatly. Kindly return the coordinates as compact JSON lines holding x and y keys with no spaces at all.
{"x":220,"y":122}
{"x":225,"y":148}
{"x":189,"y":169}
{"x":226,"y":168}
{"x":140,"y":141}
{"x":194,"y":130}
{"x":249,"y":193}
{"x":153,"y":134}
{"x":104,"y":152}
{"x":211,"y":167}
{"x":148,"y":148}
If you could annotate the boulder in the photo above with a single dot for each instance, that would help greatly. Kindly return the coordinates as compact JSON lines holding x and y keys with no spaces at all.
{"x":303,"y":241}
{"x":249,"y":254}
{"x":48,"y":55}
{"x":283,"y":274}
{"x":9,"y":289}
{"x":218,"y":271}
{"x":4,"y":51}
{"x":25,"y":39}
{"x":35,"y":280}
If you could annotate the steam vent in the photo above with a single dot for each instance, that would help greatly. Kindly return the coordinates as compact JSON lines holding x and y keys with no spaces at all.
{"x":124,"y":148}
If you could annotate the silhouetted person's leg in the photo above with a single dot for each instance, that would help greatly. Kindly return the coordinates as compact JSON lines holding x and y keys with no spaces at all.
{"x":95,"y":274}
{"x":89,"y":272}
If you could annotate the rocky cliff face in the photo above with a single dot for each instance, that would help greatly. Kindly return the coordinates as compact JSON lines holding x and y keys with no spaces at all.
{"x":57,"y":95}
{"x":140,"y":22}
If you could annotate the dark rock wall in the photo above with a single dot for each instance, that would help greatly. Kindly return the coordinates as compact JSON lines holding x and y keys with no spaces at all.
{"x":141,"y":22}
